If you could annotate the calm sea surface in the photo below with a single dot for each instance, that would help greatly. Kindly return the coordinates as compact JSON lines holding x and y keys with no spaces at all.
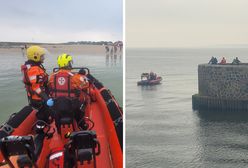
{"x":162,"y":130}
{"x":107,"y":69}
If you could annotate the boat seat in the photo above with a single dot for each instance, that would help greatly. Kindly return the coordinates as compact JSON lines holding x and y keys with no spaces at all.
{"x":67,"y":121}
{"x":19,"y":146}
{"x":84,"y":154}
{"x":84,"y":145}
{"x":38,"y":141}
{"x":64,"y":114}
{"x":24,"y":161}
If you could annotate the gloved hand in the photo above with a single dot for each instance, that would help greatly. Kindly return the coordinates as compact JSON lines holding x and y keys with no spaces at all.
{"x":50,"y":102}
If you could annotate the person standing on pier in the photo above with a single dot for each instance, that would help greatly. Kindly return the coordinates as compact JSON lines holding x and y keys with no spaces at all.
{"x":223,"y":61}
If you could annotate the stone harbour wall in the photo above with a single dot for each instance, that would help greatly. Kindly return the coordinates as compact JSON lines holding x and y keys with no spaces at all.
{"x":222,"y":87}
{"x":223,"y":81}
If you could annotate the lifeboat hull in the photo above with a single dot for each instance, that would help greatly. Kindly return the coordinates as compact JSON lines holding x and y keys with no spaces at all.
{"x":150,"y":82}
{"x":103,"y":111}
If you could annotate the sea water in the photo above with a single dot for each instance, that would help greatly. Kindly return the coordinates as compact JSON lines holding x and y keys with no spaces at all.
{"x":106,"y":68}
{"x":162,"y":130}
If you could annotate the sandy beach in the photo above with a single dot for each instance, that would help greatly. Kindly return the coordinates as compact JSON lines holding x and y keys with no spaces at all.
{"x":71,"y":49}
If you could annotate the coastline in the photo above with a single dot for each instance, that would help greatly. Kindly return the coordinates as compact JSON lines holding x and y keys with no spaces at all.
{"x":60,"y":48}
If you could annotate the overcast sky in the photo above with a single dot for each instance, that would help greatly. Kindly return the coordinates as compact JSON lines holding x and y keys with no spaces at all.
{"x":186,"y":23}
{"x":60,"y":20}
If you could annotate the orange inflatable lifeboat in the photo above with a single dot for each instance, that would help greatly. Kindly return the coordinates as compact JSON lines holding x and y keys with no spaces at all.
{"x":63,"y":142}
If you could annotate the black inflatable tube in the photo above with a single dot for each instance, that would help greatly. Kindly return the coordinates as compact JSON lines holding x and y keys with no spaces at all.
{"x":94,"y":81}
{"x":114,"y":113}
{"x":112,"y":108}
{"x":15,"y":121}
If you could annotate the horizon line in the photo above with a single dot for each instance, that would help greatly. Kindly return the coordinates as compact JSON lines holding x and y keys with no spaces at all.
{"x":189,"y":47}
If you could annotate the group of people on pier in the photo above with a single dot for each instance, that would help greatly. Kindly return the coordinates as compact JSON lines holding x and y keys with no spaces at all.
{"x":223,"y":61}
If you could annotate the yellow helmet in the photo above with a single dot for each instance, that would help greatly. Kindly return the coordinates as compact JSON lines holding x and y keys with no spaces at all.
{"x":34,"y":53}
{"x":64,"y":61}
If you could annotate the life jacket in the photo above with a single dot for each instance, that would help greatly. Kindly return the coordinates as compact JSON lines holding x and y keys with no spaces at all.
{"x":61,"y":85}
{"x":41,"y":79}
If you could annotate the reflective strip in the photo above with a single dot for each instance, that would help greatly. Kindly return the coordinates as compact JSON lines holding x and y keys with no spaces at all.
{"x":82,"y":79}
{"x":40,"y":126}
{"x":32,"y":78}
{"x":38,"y":90}
{"x":70,"y":73}
{"x":56,"y":155}
{"x":28,"y":66}
{"x":55,"y":73}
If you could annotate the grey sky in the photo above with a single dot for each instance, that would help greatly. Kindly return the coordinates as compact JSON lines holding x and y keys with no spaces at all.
{"x":186,"y":23}
{"x":60,"y":20}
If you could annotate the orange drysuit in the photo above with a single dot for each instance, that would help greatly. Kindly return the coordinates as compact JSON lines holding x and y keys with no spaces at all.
{"x":66,"y":83}
{"x":35,"y":79}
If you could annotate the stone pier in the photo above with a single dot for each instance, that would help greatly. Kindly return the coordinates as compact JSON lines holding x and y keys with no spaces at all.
{"x":222,"y":87}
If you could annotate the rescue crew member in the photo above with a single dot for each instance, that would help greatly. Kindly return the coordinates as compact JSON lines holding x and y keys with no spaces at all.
{"x":89,"y":92}
{"x":223,"y":61}
{"x":64,"y":83}
{"x":35,"y":79}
